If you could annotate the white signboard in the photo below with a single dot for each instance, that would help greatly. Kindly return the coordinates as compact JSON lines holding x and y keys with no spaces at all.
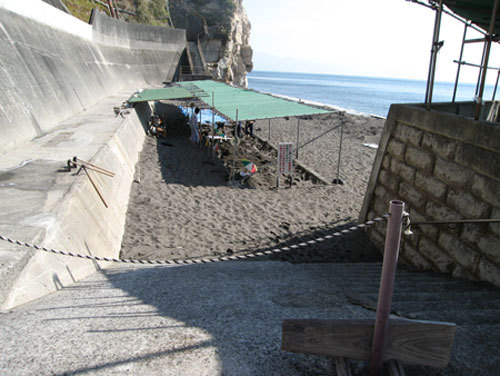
{"x":285,"y":157}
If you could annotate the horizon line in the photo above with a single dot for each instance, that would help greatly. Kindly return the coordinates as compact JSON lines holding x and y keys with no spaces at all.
{"x":366,"y":76}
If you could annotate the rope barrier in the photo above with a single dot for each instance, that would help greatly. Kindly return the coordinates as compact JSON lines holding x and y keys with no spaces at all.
{"x":201,"y":260}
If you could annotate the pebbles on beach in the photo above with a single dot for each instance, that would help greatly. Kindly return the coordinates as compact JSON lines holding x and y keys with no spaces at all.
{"x":184,"y":207}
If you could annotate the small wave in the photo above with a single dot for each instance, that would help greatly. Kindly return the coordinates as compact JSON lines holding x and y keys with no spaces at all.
{"x":324,"y":105}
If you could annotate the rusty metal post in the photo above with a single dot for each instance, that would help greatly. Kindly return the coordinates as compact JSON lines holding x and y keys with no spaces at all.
{"x":486,"y":59}
{"x":391,"y":251}
{"x":111,"y":9}
{"x":117,"y":12}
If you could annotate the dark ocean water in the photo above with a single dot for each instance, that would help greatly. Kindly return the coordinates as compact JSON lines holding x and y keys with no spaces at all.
{"x":369,"y":95}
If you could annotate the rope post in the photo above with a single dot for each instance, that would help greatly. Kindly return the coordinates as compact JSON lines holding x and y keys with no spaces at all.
{"x":391,"y":251}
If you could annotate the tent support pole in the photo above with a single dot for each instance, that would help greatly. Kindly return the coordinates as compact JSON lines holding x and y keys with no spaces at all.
{"x":486,"y":59}
{"x":235,"y":147}
{"x":212,"y":151}
{"x":269,"y":128}
{"x":338,"y":180}
{"x":298,"y":139}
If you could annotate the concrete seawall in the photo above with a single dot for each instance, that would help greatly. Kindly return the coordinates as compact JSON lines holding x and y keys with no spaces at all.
{"x":60,"y":80}
{"x":51,"y":72}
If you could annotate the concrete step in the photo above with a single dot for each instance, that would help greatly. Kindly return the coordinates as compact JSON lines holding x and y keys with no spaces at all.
{"x":460,"y":316}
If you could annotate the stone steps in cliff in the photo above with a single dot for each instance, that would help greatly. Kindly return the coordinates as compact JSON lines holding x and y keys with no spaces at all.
{"x":198,"y":66}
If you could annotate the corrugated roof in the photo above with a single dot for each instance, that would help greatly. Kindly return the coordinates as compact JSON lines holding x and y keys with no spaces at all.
{"x":476,"y":11}
{"x":250,"y":104}
{"x":174,"y":92}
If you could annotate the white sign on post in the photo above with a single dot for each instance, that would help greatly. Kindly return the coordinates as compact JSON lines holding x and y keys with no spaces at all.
{"x":285,"y":157}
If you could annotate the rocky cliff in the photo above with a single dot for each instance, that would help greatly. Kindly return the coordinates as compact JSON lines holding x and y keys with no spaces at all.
{"x":222,"y":31}
{"x":236,"y":53}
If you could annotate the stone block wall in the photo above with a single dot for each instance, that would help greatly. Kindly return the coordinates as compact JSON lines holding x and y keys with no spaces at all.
{"x":443,"y":166}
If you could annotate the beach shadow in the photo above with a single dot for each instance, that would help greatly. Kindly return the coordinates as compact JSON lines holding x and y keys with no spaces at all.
{"x":185,"y":163}
{"x":352,"y":247}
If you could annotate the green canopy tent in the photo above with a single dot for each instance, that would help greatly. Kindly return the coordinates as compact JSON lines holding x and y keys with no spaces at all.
{"x":250,"y":105}
{"x":237,"y":104}
{"x":167,"y":93}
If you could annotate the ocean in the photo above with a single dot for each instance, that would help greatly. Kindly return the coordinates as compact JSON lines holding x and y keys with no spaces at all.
{"x":367,"y":95}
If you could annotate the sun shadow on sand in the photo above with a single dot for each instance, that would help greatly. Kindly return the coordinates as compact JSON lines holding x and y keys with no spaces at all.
{"x":182,"y":162}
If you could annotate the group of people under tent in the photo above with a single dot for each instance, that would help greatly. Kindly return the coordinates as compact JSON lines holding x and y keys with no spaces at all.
{"x":218,"y":127}
{"x":238,"y":131}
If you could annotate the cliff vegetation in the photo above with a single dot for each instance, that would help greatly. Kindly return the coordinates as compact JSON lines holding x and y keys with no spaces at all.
{"x":149,"y":12}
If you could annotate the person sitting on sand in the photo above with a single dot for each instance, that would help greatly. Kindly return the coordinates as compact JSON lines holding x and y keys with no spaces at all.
{"x":193,"y":124}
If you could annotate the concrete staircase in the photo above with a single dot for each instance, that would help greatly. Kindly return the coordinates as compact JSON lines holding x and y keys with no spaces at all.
{"x":225,"y":318}
{"x":197,"y":67}
{"x":473,"y":306}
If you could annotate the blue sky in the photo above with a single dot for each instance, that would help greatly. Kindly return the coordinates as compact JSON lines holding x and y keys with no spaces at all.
{"x":388,"y":38}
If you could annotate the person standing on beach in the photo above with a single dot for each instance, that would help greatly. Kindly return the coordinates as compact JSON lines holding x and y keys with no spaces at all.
{"x":193,"y":124}
{"x":249,"y":127}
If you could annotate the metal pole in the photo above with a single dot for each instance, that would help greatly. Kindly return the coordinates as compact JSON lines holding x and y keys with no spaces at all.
{"x":199,"y":130}
{"x":459,"y":64}
{"x":269,"y":136}
{"x":111,"y":9}
{"x":235,"y":147}
{"x":386,"y":290}
{"x":487,"y":57}
{"x":480,"y":69}
{"x":496,"y":86}
{"x":117,"y":12}
{"x":212,"y":153}
{"x":434,"y":51}
{"x":340,"y":151}
{"x":298,"y":135}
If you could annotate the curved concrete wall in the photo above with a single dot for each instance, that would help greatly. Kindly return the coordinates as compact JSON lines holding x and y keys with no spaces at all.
{"x":54,"y":65}
{"x":59,"y":81}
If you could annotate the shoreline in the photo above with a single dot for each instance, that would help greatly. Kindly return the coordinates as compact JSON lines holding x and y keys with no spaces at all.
{"x":323,"y":106}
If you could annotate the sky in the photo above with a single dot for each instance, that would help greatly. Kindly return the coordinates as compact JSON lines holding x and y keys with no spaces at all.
{"x":384,"y":38}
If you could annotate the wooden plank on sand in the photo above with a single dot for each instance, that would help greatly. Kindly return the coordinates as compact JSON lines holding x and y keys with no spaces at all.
{"x":409,"y":341}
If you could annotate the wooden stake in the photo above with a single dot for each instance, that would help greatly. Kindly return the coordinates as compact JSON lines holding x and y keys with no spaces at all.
{"x":95,"y":167}
{"x":95,"y":186}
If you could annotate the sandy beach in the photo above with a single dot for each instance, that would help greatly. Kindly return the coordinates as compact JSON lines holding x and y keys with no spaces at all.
{"x":181,"y":205}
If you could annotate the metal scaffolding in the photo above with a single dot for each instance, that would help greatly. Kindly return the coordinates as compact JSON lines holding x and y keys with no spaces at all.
{"x":467,"y":12}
